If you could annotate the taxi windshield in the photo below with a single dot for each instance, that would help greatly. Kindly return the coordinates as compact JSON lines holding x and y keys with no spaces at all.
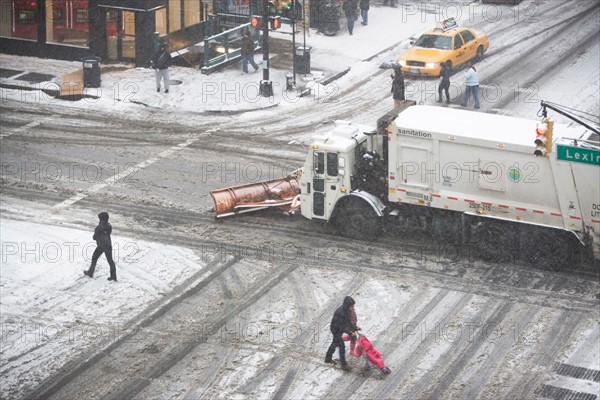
{"x":434,"y":42}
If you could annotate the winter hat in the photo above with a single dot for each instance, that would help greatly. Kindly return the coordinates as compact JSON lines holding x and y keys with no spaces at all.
{"x":103,"y":216}
{"x":348,"y":301}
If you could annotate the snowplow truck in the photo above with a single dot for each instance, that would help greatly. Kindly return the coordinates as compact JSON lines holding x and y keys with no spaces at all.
{"x":501,"y":184}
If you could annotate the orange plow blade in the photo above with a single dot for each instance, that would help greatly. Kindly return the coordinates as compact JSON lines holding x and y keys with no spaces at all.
{"x":279,"y":193}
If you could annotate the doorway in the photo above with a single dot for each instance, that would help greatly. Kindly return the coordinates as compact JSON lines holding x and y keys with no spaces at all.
{"x":120,"y":35}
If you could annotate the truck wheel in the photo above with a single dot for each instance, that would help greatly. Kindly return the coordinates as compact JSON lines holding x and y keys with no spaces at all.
{"x":490,"y":240}
{"x":356,"y":219}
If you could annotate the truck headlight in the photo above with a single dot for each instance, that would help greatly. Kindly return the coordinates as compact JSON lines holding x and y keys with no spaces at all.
{"x":402,"y":63}
{"x":431,"y":65}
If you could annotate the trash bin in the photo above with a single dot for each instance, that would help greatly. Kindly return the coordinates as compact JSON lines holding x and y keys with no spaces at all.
{"x":91,"y":72}
{"x":302,"y":60}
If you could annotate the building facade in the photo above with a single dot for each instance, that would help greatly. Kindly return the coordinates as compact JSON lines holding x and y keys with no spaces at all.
{"x":118,"y":30}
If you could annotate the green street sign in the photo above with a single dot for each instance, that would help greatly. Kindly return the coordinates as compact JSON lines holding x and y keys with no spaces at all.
{"x":578,"y":154}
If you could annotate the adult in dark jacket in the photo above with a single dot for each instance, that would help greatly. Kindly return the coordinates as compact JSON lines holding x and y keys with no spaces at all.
{"x":103,"y":245}
{"x":161,"y":63}
{"x":445,"y":74}
{"x":397,"y":86}
{"x":247,"y":51}
{"x":364,"y":11}
{"x":350,"y":7}
{"x":341,"y":323}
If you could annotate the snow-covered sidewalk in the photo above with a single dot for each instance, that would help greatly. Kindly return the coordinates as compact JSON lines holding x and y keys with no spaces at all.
{"x":124,"y":88}
{"x":51,"y":313}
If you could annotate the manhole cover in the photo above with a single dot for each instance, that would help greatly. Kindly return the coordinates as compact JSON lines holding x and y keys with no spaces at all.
{"x":35,"y":77}
{"x":7,"y":73}
{"x":175,"y":82}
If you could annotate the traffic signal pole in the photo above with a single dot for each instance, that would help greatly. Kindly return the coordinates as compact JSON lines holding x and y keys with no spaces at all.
{"x":266,"y":86}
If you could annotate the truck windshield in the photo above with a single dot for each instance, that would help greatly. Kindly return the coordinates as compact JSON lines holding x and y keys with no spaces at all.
{"x":332,"y":164}
{"x":319,"y":162}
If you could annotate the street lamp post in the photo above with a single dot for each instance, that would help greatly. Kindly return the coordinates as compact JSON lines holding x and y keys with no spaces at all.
{"x":266,"y":86}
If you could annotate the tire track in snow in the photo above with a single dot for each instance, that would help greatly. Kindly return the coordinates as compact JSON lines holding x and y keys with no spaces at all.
{"x":69,"y":372}
{"x":322,"y":320}
{"x":133,"y":387}
{"x":556,"y":338}
{"x":461,"y":353}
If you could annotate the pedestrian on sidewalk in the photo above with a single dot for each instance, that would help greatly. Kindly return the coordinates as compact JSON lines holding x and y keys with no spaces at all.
{"x":247,"y":51}
{"x":364,"y":11}
{"x":397,"y":86}
{"x":472,"y":86}
{"x":340,"y":324}
{"x":103,"y":245}
{"x":161,"y":63}
{"x":445,"y":74}
{"x":350,"y":9}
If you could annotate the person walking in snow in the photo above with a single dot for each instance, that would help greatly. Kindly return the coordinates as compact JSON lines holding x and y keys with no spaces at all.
{"x":364,"y":11}
{"x":103,"y":245}
{"x":247,"y":51}
{"x":472,"y":86}
{"x":161,"y":63}
{"x":341,"y":323}
{"x":397,"y":86}
{"x":445,"y":74}
{"x":350,"y":8}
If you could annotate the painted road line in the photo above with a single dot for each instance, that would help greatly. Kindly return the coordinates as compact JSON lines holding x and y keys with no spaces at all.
{"x":113,"y":179}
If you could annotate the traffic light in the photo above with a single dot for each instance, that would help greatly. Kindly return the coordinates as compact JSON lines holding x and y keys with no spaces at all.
{"x":255,"y":21}
{"x":543,"y":137}
{"x":287,"y":10}
{"x":275,"y":22}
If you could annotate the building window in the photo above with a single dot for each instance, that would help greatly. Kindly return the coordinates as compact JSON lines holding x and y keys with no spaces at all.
{"x":81,"y":15}
{"x":19,"y":19}
{"x":57,"y":15}
{"x":192,"y":12}
{"x":26,"y":17}
{"x":69,"y":24}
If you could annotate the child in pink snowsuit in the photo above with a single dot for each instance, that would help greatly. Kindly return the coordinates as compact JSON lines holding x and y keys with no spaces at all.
{"x":373,"y":355}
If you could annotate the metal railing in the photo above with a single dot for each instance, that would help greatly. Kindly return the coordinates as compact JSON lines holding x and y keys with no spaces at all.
{"x":226,"y":46}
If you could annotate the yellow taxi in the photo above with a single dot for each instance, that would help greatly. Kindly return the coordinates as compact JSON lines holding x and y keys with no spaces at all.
{"x":446,"y":42}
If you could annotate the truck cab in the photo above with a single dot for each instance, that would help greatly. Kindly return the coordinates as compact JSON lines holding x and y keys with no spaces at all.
{"x":344,"y":178}
{"x":328,"y":169}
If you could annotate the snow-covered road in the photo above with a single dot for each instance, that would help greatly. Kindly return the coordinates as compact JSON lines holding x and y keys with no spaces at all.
{"x":240,"y":308}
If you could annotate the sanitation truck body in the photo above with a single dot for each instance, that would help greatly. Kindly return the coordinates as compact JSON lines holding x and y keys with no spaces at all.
{"x":443,"y":164}
{"x":498,"y":183}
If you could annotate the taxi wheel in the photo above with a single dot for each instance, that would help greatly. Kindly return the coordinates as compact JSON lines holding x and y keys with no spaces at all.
{"x":479,"y":55}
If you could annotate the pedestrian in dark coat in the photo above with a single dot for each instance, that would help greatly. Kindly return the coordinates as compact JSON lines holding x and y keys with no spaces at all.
{"x":247,"y":51}
{"x":350,"y":7}
{"x":103,"y":245}
{"x":397,"y":86}
{"x":161,"y":63}
{"x":341,"y":323}
{"x":364,"y":11}
{"x":445,"y":74}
